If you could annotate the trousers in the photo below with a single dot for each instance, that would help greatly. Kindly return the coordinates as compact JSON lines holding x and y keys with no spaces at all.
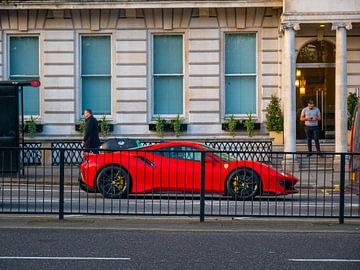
{"x":312,"y":132}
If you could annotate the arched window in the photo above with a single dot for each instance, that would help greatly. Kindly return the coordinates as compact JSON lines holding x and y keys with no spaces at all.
{"x":317,"y":52}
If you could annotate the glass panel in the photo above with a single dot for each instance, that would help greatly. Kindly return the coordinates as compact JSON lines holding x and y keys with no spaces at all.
{"x":168,"y":95}
{"x":317,"y":52}
{"x":96,"y":94}
{"x":168,"y":54}
{"x":95,"y":55}
{"x":240,"y":54}
{"x":240,"y":95}
{"x":31,"y":97}
{"x":24,"y":56}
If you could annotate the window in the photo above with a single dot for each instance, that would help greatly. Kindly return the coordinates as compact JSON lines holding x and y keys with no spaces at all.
{"x":240,"y":74}
{"x":181,"y":152}
{"x":24,"y":65}
{"x":168,"y":74}
{"x":96,"y":74}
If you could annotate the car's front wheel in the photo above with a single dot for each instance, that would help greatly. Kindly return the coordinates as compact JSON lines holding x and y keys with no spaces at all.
{"x":113,"y":182}
{"x":243,"y":184}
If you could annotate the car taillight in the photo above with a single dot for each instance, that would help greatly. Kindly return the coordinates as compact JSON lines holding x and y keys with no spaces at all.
{"x":35,"y":83}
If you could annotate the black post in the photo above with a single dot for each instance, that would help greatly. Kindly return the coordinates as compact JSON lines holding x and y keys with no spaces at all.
{"x":22,"y":129}
{"x":202,"y":188}
{"x":61,"y":195}
{"x":342,"y":189}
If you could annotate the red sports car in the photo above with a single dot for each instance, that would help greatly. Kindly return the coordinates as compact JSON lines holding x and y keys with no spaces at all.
{"x":176,"y":167}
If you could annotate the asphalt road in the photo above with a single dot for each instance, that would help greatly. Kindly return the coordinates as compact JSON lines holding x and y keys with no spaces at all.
{"x":45,"y":199}
{"x":40,"y":244}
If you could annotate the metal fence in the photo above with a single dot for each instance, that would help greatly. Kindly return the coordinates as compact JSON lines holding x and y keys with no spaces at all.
{"x":182,"y":181}
{"x":259,"y":150}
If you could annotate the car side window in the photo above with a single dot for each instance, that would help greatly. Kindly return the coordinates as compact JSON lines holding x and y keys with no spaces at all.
{"x":180,"y":152}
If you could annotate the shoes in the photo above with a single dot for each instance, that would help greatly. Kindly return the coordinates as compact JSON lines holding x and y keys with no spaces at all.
{"x":320,"y":154}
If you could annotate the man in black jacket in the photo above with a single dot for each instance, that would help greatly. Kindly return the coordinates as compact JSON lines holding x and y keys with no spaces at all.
{"x":91,"y":137}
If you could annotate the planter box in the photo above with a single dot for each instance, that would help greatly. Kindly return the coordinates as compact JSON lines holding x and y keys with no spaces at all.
{"x":168,"y":127}
{"x":39,"y":128}
{"x":240,"y":127}
{"x":278,"y":137}
{"x":111,"y":127}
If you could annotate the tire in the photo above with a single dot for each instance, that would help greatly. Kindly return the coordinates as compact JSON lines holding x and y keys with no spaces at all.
{"x":243,"y":184}
{"x":113,"y":182}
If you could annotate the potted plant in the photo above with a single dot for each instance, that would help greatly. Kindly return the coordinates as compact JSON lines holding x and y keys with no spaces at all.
{"x":105,"y":127}
{"x":80,"y":126}
{"x":352,"y":101}
{"x":160,"y":126}
{"x":32,"y":127}
{"x":232,"y":125}
{"x":275,"y":121}
{"x":250,"y":125}
{"x":176,"y":125}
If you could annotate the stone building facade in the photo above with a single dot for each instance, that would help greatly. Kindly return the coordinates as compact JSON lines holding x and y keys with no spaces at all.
{"x":132,"y":61}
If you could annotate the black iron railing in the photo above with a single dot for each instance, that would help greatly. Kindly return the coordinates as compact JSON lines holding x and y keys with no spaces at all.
{"x":184,"y":182}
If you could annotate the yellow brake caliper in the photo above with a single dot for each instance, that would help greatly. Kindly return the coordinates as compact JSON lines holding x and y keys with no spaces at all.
{"x":235,"y":183}
{"x":121,"y":181}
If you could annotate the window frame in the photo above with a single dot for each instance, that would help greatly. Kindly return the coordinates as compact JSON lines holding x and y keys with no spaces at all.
{"x":256,"y":74}
{"x":153,"y":75}
{"x":80,"y":35}
{"x":7,"y":47}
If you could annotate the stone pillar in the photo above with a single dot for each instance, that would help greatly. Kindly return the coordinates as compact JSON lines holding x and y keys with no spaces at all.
{"x":341,"y":87}
{"x":289,"y":89}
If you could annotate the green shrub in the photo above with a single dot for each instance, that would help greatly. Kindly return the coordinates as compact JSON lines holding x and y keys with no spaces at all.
{"x":104,"y":126}
{"x":250,"y":125}
{"x":31,"y":127}
{"x":232,"y":125}
{"x":274,"y":117}
{"x":160,"y":126}
{"x":352,"y":101}
{"x":176,"y":124}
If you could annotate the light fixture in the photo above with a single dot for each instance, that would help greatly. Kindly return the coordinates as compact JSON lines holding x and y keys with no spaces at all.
{"x":297,"y":83}
{"x":298,"y":73}
{"x":322,"y":25}
{"x":302,"y":90}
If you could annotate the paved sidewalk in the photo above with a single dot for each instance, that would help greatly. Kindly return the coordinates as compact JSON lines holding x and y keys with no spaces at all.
{"x":181,"y":224}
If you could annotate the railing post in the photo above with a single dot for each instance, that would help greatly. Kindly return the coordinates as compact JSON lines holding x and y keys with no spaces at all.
{"x":342,"y":189}
{"x":61,"y":195}
{"x":202,"y":188}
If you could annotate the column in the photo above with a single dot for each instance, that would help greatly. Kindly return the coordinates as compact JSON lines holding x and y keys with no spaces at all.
{"x":288,"y":86}
{"x":341,"y":87}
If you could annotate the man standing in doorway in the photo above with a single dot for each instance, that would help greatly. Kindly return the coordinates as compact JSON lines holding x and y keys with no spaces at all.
{"x":311,"y":116}
{"x":91,"y":138}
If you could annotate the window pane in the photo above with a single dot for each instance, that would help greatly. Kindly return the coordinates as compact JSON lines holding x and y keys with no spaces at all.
{"x":240,"y":95}
{"x":24,"y":56}
{"x":240,"y":53}
{"x":96,"y":94}
{"x":168,"y":95}
{"x":31,"y":97}
{"x":168,"y":55}
{"x":95,"y":57}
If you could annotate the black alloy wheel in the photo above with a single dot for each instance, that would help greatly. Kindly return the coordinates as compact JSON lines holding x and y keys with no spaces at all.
{"x":113,"y":182}
{"x":243,"y":184}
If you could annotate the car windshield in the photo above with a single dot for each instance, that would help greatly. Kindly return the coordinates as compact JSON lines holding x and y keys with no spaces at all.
{"x":222,"y":155}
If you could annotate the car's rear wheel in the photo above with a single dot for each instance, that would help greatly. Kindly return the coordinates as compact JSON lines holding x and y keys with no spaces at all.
{"x":113,"y":182}
{"x":243,"y":184}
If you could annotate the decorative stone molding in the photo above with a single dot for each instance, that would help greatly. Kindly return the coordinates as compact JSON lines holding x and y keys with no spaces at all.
{"x":346,"y":25}
{"x":284,"y":26}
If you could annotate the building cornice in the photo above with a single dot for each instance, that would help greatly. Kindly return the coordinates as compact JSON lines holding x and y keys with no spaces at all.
{"x":11,"y":5}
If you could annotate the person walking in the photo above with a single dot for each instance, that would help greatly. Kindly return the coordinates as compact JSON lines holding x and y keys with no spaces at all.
{"x":311,"y":116}
{"x":91,"y":137}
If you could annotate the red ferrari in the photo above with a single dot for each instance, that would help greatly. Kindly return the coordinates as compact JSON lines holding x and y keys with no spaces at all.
{"x":176,"y":167}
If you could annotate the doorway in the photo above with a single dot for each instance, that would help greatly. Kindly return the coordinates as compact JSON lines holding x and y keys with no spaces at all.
{"x":315,"y":79}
